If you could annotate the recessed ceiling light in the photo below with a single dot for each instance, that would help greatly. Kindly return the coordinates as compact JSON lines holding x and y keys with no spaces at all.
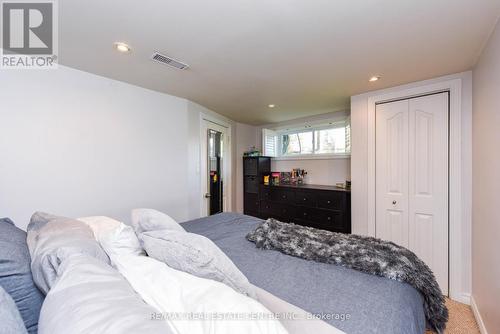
{"x":271,"y":106}
{"x":122,"y":47}
{"x":374,"y":78}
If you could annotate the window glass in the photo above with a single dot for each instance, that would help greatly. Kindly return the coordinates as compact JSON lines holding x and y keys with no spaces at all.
{"x":297,"y":143}
{"x":330,"y":141}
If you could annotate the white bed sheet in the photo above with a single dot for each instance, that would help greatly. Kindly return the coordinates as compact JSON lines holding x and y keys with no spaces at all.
{"x":189,"y":304}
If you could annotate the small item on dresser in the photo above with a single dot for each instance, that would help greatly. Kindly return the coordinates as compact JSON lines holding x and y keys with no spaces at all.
{"x":253,"y":152}
{"x":266,"y":180}
{"x":285,"y":177}
{"x":301,"y":173}
{"x":275,"y":178}
{"x":340,"y":185}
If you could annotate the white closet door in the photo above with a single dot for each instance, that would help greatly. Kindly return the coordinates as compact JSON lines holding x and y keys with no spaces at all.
{"x":392,"y":172}
{"x":428,"y":189}
{"x":412,"y":178}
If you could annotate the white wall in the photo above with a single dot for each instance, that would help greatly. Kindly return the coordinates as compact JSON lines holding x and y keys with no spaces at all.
{"x":486,"y":185}
{"x":76,"y":144}
{"x":359,"y":170}
{"x":319,"y":171}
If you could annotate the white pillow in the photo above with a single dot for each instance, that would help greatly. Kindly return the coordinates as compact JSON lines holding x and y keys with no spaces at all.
{"x":115,"y":237}
{"x":100,"y":225}
{"x":145,"y":220}
{"x":195,"y":255}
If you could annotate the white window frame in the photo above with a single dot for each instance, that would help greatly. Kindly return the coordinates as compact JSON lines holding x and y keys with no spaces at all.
{"x":310,"y":128}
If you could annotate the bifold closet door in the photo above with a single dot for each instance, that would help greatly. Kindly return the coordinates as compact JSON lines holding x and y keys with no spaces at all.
{"x":412,"y":178}
{"x":392,"y":172}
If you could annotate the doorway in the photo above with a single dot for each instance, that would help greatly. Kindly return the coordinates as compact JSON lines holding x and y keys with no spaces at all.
{"x":411,"y":171}
{"x":215,"y":149}
{"x":215,"y":167}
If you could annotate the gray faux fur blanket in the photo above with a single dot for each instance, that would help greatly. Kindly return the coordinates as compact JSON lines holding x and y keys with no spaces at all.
{"x":366,"y":254}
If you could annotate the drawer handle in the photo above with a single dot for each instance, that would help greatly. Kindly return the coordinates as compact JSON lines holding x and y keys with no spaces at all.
{"x":329,"y":202}
{"x":329,"y":218}
{"x":267,"y":206}
{"x":284,"y":196}
{"x":256,"y":203}
{"x":305,"y":199}
{"x":305,"y":214}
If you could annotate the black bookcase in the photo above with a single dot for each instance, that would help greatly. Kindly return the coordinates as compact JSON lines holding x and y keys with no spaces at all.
{"x":254,"y":169}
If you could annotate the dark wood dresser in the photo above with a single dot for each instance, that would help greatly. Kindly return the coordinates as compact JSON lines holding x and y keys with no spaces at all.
{"x":319,"y":206}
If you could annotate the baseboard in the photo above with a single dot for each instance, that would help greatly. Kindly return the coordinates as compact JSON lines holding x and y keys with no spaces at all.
{"x":463,"y":298}
{"x":477,"y":315}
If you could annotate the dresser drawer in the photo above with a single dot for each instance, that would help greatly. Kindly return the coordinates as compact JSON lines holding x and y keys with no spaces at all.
{"x":266,"y":208}
{"x":251,"y":203}
{"x":306,"y":198}
{"x":323,"y":219}
{"x":251,"y":184}
{"x":331,"y":200}
{"x":309,"y":214}
{"x":282,"y":195}
{"x":286,"y":212}
{"x":250,"y":166}
{"x":265,"y":193}
{"x":331,"y":220}
{"x":278,"y":211}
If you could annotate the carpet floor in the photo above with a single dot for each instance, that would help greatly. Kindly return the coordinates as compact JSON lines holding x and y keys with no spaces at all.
{"x":461,"y":319}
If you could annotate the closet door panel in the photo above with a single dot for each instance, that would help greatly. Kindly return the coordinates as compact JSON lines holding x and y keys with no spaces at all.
{"x":392,"y":172}
{"x":428,"y":183}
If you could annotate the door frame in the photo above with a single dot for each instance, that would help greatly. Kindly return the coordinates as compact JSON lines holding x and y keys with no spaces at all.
{"x":455,"y":201}
{"x":227,"y":196}
{"x":442,"y":274}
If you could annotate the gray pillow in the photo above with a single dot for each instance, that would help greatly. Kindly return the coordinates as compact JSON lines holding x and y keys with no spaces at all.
{"x":15,"y":274}
{"x":145,"y":220}
{"x":196,"y":255}
{"x":51,"y":239}
{"x":10,"y":318}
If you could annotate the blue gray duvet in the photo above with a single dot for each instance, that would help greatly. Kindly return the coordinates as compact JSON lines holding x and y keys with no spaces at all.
{"x":347,"y":299}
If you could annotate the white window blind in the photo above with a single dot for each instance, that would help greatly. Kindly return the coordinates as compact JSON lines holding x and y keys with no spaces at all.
{"x":269,"y":143}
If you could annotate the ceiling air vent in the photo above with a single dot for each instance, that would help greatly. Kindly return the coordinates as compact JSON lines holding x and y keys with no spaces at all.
{"x":166,"y":60}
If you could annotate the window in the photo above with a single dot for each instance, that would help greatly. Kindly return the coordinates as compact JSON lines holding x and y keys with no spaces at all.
{"x":333,"y":138}
{"x":297,"y":143}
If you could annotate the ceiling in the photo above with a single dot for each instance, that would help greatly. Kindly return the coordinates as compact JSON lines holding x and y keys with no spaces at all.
{"x":305,"y":56}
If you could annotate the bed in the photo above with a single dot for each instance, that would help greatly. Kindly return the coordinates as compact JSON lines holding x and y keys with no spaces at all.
{"x":349,"y":300}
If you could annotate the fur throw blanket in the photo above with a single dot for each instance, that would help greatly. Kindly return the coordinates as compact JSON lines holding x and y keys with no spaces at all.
{"x":366,"y":254}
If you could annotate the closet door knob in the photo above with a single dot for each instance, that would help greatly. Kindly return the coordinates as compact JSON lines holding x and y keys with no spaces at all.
{"x":394,"y":202}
